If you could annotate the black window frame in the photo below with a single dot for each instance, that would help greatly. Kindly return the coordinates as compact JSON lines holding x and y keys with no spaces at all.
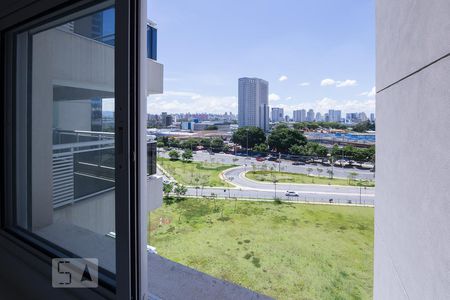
{"x":127,"y":120}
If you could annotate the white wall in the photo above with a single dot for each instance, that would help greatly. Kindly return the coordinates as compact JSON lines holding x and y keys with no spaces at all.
{"x":412,"y":209}
{"x":65,"y":60}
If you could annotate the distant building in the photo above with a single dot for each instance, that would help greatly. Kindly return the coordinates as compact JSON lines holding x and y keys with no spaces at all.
{"x":319,"y":117}
{"x":334,"y":115}
{"x":253,"y":103}
{"x":277,"y":114}
{"x":299,"y":115}
{"x":310,"y":116}
{"x":363,"y":117}
{"x":286,"y":118}
{"x":166,"y":120}
{"x":372,"y":117}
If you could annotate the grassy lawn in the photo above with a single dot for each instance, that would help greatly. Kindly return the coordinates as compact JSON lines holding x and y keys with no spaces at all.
{"x":195,"y":173}
{"x":287,"y":251}
{"x":285,"y":177}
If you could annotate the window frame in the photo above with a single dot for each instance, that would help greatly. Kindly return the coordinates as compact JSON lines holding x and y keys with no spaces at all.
{"x":127,"y":120}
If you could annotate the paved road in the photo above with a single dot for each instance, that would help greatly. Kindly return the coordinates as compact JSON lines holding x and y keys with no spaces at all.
{"x":285,"y":165}
{"x":308,"y":192}
{"x":248,"y":189}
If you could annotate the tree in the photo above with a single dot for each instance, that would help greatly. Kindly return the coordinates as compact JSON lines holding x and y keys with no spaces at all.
{"x":190,"y":144}
{"x":248,"y":137}
{"x":174,"y":155}
{"x":180,"y":190}
{"x":167,"y":188}
{"x":319,"y":171}
{"x":173,"y":142}
{"x":217,"y":144}
{"x":205,"y":142}
{"x":187,"y":155}
{"x":364,"y":126}
{"x":211,"y":127}
{"x":262,"y":148}
{"x":283,"y":138}
{"x":330,"y":173}
{"x":310,"y":149}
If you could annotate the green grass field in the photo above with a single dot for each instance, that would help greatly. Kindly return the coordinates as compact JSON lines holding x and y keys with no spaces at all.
{"x":284,"y":177}
{"x":195,"y":173}
{"x":287,"y":251}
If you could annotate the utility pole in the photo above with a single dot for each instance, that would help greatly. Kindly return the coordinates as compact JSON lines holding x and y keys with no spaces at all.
{"x":360,"y":188}
{"x":247,"y":140}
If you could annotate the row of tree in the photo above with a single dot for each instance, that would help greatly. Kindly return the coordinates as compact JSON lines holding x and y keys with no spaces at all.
{"x":358,"y":154}
{"x":364,"y":126}
{"x":215,"y":144}
{"x":286,"y":140}
{"x":317,"y":125}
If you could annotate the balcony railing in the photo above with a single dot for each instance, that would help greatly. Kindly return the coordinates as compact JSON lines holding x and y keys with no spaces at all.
{"x":84,"y":164}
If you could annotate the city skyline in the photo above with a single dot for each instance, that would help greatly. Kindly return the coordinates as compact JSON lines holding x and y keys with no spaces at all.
{"x":314,"y":55}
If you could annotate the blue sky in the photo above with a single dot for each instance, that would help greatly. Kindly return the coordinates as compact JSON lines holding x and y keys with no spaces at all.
{"x":315,"y":53}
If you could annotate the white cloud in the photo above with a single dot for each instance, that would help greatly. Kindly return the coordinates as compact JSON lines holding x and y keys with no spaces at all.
{"x":327,"y":82}
{"x":289,"y":98}
{"x":283,"y":78}
{"x":304,"y":84}
{"x":183,"y":102}
{"x":370,"y":93}
{"x":346,"y":83}
{"x":337,"y":83}
{"x":274,"y":97}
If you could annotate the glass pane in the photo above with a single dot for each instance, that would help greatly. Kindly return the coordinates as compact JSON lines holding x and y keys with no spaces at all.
{"x":65,"y":142}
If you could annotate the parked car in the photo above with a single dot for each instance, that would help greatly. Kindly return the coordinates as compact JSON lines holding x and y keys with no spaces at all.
{"x":291,"y":194}
{"x":298,"y":163}
{"x":260,"y":159}
{"x":272,"y":158}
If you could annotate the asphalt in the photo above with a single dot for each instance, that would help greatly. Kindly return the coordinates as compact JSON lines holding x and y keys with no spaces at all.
{"x":245,"y":188}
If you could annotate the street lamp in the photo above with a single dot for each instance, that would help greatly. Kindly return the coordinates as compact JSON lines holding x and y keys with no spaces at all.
{"x":247,"y":141}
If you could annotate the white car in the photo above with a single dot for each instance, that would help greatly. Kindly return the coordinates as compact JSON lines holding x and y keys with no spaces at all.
{"x":291,"y":194}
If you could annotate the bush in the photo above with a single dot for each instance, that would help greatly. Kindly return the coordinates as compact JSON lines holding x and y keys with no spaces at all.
{"x":174,"y":155}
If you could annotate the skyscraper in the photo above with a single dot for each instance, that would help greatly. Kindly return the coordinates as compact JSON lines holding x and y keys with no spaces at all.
{"x":334,"y":115}
{"x":253,"y":99}
{"x":299,"y":115}
{"x":310,"y":116}
{"x":318,"y":117}
{"x":277,"y":114}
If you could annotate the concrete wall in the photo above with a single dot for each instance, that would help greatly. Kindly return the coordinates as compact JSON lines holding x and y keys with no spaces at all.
{"x":155,"y":76}
{"x":83,"y":66}
{"x":412,"y":232}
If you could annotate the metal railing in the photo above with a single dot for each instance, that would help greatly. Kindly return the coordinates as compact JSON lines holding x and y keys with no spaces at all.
{"x":80,"y":165}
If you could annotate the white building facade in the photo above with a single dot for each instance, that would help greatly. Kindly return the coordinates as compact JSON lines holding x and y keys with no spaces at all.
{"x":299,"y":115}
{"x":253,"y":103}
{"x":277,"y":114}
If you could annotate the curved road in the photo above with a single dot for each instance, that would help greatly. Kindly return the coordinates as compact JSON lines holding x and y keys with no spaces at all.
{"x":245,"y":188}
{"x":309,"y":192}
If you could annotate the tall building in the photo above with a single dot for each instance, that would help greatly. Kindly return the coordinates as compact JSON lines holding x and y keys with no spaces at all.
{"x":334,"y":115}
{"x":277,"y":114}
{"x":372,"y":117}
{"x":166,"y":120}
{"x":310,"y":116}
{"x":363,"y":117}
{"x":318,"y":117}
{"x":253,"y":99}
{"x":300,"y":115}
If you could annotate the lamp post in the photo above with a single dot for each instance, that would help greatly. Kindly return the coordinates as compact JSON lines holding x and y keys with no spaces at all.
{"x":247,"y":141}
